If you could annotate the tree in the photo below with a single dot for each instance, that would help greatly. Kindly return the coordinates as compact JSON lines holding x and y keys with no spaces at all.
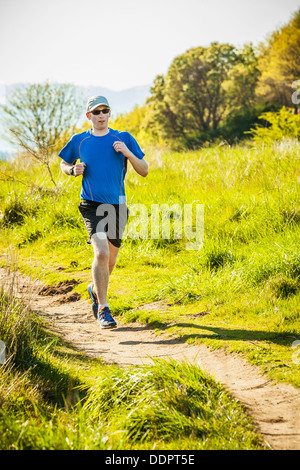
{"x":194,"y":85}
{"x":241,"y":82}
{"x":279,"y":63}
{"x":161,"y":120}
{"x":37,"y":116}
{"x":200,"y":90}
{"x":132,"y":122}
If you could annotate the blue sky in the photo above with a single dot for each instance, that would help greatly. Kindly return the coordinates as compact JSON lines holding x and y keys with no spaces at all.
{"x":120,"y":44}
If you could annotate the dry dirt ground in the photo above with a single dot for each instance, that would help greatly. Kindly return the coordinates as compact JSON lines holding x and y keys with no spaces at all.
{"x":274,"y":407}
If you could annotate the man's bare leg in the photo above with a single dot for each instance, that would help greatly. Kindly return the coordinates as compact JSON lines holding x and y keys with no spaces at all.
{"x":105,"y":257}
{"x":113,"y":255}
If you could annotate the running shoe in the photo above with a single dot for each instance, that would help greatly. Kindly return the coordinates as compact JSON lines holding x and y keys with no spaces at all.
{"x":93,"y":296}
{"x":105,"y":319}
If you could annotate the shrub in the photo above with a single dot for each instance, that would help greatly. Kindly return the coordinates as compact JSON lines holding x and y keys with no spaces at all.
{"x":283,"y":286}
{"x":14,"y":212}
{"x":279,"y":125}
{"x":217,"y":258}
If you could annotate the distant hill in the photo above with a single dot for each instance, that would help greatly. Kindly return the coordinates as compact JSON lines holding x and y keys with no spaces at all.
{"x":6,"y":155}
{"x":120,"y":101}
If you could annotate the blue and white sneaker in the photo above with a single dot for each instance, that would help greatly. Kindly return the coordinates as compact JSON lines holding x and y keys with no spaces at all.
{"x":105,"y":319}
{"x":93,"y":296}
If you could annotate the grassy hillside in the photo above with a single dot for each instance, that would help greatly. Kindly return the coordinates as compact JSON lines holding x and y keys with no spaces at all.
{"x":240,"y":291}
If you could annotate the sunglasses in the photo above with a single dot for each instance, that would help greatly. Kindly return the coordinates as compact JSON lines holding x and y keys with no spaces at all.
{"x":98,"y":111}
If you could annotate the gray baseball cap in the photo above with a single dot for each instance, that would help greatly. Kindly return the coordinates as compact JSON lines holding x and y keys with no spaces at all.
{"x":96,"y":101}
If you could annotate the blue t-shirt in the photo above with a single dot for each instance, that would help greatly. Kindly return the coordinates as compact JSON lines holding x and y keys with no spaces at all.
{"x":105,"y":170}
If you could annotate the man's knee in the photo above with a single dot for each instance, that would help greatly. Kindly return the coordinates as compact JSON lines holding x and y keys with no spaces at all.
{"x":101,"y":256}
{"x":101,"y":249}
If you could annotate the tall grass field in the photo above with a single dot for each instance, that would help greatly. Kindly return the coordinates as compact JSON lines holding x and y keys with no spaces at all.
{"x":240,"y":291}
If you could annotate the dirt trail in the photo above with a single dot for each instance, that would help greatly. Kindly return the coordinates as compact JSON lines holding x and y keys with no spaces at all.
{"x":275,"y":408}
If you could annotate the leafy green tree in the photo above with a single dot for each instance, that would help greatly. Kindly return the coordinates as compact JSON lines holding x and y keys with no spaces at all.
{"x":201,"y":89}
{"x":242,"y":78}
{"x":38,"y":116}
{"x":162,"y":122}
{"x":279,"y":63}
{"x":194,"y":81}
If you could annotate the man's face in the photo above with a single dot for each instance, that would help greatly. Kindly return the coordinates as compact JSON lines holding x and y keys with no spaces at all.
{"x":99,"y":121}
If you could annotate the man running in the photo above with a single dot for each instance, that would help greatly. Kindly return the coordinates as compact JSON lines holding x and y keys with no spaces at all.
{"x":100,"y":155}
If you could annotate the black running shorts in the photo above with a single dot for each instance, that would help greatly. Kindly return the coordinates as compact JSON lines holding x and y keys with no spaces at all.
{"x":101,"y":218}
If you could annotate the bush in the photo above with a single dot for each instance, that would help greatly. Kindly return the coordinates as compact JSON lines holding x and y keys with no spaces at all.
{"x":280,"y":125}
{"x":283,"y":286}
{"x":15,"y":211}
{"x":217,"y":258}
{"x":240,"y":122}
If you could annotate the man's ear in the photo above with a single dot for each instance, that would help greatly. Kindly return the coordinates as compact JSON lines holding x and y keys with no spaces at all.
{"x":88,"y":116}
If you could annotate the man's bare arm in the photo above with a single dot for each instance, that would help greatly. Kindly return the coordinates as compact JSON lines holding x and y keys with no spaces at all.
{"x":66,"y":167}
{"x":140,"y":165}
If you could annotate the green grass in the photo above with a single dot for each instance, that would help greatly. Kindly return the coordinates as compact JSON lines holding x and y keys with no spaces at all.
{"x":169,"y":402}
{"x":239,"y":292}
{"x":53,"y":398}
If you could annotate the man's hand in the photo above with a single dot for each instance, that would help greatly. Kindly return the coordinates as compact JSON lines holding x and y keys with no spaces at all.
{"x":140,"y":165}
{"x":121,"y":147}
{"x":79,"y":169}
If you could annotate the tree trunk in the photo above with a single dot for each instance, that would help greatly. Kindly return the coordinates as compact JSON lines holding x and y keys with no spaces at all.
{"x":50,"y":173}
